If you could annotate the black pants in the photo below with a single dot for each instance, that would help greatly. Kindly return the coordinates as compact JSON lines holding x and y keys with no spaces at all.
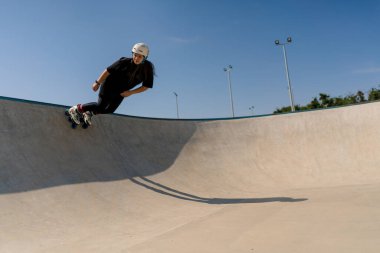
{"x":104,"y":105}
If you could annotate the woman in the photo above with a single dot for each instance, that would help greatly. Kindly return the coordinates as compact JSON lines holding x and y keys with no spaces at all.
{"x":117,"y":82}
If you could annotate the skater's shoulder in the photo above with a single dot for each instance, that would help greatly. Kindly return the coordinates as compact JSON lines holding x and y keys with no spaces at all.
{"x":148,"y":63}
{"x":149,"y":67}
{"x":125,"y":59}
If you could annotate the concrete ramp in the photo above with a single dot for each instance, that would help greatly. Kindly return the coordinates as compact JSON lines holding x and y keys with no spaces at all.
{"x":301,"y":182}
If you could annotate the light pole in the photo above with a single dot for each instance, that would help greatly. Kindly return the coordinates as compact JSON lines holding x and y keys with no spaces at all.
{"x":251,"y":109}
{"x":176,"y":101}
{"x":228,"y":70}
{"x":277,"y":42}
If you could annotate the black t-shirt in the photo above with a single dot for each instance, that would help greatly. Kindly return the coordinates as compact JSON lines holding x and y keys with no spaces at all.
{"x":125,"y":75}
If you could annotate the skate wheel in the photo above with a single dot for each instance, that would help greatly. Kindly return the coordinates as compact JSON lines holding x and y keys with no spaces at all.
{"x":73,"y":125}
{"x":84,"y":126}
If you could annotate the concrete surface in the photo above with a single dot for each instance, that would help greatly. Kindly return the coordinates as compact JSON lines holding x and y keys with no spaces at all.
{"x":303,"y":182}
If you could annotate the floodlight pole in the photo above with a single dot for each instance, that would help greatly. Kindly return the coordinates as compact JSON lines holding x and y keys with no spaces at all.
{"x":228,"y":70}
{"x":251,"y":109}
{"x":277,"y":42}
{"x":176,"y":100}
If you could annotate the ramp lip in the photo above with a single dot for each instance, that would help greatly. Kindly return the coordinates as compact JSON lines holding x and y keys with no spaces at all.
{"x":189,"y":119}
{"x":130,"y":116}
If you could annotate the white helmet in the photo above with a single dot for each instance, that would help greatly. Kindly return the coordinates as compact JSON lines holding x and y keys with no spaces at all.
{"x":141,"y":48}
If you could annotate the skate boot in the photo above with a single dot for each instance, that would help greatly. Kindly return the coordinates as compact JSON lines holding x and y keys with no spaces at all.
{"x":74,"y":114}
{"x":87,"y":118}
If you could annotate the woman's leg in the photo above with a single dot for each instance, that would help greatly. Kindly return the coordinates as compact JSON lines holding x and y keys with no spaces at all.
{"x":114,"y":104}
{"x":104,"y":105}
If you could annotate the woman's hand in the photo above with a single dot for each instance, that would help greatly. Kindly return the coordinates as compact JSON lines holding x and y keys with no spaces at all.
{"x":95,"y":86}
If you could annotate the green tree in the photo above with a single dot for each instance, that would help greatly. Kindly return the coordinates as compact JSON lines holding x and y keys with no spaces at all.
{"x":314,"y":104}
{"x":326,"y":101}
{"x":283,"y":110}
{"x":287,"y":109}
{"x":360,"y":97}
{"x":374,"y":94}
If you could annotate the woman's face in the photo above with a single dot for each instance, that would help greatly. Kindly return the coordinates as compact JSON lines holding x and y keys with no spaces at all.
{"x":137,"y":58}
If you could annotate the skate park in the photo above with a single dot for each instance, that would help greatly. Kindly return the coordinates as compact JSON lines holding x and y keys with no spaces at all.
{"x":297,"y":182}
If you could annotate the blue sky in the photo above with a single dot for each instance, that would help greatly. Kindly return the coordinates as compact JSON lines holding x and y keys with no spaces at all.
{"x":52,"y":51}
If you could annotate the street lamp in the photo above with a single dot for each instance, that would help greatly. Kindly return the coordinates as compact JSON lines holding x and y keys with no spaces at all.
{"x":176,"y":101}
{"x":251,"y":109}
{"x":278,"y":43}
{"x":228,"y":70}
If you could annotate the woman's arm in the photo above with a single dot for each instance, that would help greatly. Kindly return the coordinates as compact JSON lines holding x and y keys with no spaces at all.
{"x":103,"y":76}
{"x":135,"y":91}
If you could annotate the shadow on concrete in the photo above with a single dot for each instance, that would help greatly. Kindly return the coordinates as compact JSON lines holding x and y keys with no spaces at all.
{"x":167,"y":191}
